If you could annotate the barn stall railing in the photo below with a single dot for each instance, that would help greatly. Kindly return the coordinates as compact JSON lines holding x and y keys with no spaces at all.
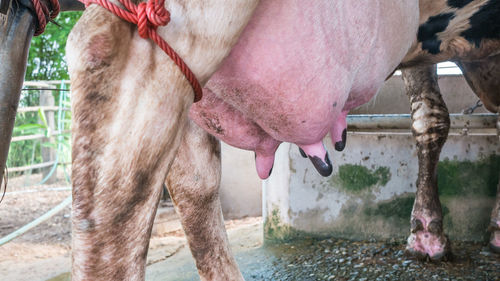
{"x":461,"y":124}
{"x":483,"y":124}
{"x":49,"y":136}
{"x":49,"y":131}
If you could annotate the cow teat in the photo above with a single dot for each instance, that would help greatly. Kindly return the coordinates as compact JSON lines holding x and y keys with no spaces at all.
{"x":319,"y":157}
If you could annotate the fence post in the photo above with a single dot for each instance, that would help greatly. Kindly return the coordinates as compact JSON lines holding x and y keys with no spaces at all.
{"x":48,"y":153}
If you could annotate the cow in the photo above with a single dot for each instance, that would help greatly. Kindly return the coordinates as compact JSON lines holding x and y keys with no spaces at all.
{"x":468,"y":33}
{"x":293,"y":76}
{"x":447,"y":30}
{"x":305,"y":67}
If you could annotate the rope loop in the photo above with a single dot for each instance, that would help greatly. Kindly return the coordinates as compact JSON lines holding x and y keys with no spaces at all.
{"x":45,"y":12}
{"x":157,"y":14}
{"x":150,"y":16}
{"x":143,"y":23}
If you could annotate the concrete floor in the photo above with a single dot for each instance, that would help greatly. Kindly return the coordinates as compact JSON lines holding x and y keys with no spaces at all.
{"x":246,"y":241}
{"x":307,"y":259}
{"x":334,"y":259}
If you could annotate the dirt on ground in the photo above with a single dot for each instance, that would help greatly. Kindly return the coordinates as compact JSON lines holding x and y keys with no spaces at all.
{"x":22,"y":204}
{"x":43,"y":253}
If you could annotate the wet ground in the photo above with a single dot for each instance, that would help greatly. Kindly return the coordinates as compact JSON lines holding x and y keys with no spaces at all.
{"x":44,"y":253}
{"x":345,"y":260}
{"x":336,"y":259}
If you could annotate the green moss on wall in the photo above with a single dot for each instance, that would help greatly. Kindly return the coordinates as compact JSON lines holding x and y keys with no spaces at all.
{"x":357,"y":177}
{"x":469,"y":178}
{"x":399,"y":208}
{"x":275,"y":231}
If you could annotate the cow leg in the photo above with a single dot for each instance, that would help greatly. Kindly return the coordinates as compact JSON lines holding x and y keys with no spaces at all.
{"x":193,"y":183}
{"x":16,"y":31}
{"x":483,"y":78}
{"x":495,"y":213}
{"x":129,"y":116}
{"x":117,"y":182}
{"x":430,"y":125}
{"x":495,"y":224}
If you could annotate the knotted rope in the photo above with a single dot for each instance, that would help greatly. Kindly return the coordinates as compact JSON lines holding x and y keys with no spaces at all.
{"x":147,"y":16}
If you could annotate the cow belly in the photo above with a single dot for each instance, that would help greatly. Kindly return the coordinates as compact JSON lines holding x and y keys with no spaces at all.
{"x":231,"y":126}
{"x":289,"y":76}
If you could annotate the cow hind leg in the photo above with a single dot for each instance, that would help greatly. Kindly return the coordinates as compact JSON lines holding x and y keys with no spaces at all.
{"x":193,"y":183}
{"x":430,"y":125}
{"x":495,"y":224}
{"x":495,"y":213}
{"x":483,"y":77}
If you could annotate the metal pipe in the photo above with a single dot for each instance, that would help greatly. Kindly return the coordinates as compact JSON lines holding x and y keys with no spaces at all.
{"x":403,"y":122}
{"x":36,"y":222}
{"x":15,"y":39}
{"x":71,"y":5}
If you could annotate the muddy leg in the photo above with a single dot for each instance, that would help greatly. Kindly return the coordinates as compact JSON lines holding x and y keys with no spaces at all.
{"x":482,"y":77}
{"x":495,"y":224}
{"x":430,"y":125}
{"x":495,"y":214}
{"x":193,"y":183}
{"x":129,"y":117}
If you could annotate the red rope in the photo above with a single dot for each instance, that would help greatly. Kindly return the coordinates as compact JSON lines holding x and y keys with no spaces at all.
{"x":45,"y":14}
{"x":148,"y":17}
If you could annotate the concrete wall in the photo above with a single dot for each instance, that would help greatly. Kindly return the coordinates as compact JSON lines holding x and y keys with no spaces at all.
{"x":241,"y":188}
{"x":371,"y":191}
{"x":392,"y":98}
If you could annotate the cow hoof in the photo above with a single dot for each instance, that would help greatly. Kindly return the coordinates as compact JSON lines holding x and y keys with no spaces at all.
{"x":495,"y":241}
{"x":495,"y":248}
{"x":428,"y":241}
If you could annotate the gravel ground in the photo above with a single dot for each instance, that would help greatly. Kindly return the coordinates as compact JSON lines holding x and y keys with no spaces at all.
{"x":337,"y":259}
{"x":309,"y":259}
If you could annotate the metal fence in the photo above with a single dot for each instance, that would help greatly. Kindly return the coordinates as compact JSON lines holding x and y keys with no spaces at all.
{"x":49,"y":137}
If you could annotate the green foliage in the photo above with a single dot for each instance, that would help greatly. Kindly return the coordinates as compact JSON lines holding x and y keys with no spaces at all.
{"x":46,"y":56}
{"x":399,"y":207}
{"x":28,"y":152}
{"x":46,"y":61}
{"x":25,"y":152}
